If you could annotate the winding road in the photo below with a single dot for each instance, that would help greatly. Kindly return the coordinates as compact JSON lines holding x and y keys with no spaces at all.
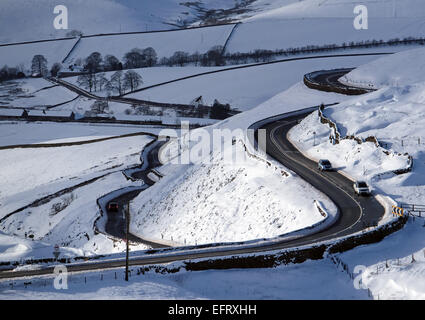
{"x":355,"y":213}
{"x":116,"y":221}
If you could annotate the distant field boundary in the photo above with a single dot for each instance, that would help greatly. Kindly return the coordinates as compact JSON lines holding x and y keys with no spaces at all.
{"x":116,"y":34}
{"x":252,"y":65}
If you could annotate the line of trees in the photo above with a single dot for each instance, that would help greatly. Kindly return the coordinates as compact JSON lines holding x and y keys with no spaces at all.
{"x":135,"y":58}
{"x":119,"y":82}
{"x":7,"y":73}
{"x":141,"y":58}
{"x":38,"y":69}
{"x":260,"y":55}
{"x":213,"y":57}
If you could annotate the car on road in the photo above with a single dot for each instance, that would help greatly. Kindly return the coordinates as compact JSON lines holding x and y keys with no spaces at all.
{"x":361,"y":188}
{"x":324,"y":165}
{"x":113,"y":207}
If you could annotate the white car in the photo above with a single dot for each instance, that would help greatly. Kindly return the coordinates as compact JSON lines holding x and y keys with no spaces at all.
{"x":361,"y":188}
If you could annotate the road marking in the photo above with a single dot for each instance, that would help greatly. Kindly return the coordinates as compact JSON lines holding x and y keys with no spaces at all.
{"x":274,"y":141}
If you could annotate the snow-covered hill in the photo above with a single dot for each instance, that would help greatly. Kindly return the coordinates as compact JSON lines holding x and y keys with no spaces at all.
{"x":395,"y":114}
{"x":398,"y":70}
{"x":222,"y":201}
{"x":105,"y":16}
{"x":344,"y":9}
{"x":85,"y":172}
{"x":316,"y":22}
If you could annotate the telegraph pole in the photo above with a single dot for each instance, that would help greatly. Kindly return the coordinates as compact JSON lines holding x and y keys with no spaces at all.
{"x":127,"y":219}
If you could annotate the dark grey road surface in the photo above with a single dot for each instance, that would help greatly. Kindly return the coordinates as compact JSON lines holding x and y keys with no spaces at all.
{"x":355,"y":213}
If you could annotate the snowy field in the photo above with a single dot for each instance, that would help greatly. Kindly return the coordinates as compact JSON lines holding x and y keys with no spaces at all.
{"x":105,"y":16}
{"x":220,"y":201}
{"x":66,"y":219}
{"x":245,"y":93}
{"x":318,"y":22}
{"x":28,"y":174}
{"x":155,"y":75}
{"x":290,"y":282}
{"x":395,"y":267}
{"x":164,"y":43}
{"x":13,"y":133}
{"x":266,"y":25}
{"x":278,"y":33}
{"x":21,"y":55}
{"x":33,"y":93}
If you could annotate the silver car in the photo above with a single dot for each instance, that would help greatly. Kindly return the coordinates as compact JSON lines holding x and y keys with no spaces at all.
{"x":324,"y":165}
{"x":361,"y":188}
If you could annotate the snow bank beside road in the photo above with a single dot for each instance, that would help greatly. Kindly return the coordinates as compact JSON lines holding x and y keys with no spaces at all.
{"x":361,"y":161}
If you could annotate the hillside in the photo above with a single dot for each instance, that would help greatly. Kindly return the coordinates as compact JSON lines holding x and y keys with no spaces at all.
{"x":395,"y":115}
{"x":105,"y":16}
{"x":390,"y":71}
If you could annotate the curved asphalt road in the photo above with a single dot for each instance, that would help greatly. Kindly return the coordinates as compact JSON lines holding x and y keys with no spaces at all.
{"x":116,"y":223}
{"x":328,"y":79}
{"x":355,"y":213}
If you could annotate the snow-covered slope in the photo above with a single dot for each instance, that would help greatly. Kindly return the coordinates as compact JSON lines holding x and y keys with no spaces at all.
{"x":398,"y":70}
{"x":29,"y":174}
{"x":316,"y":22}
{"x":105,"y":16}
{"x":244,"y":93}
{"x":344,"y":9}
{"x":66,"y":219}
{"x":32,"y":92}
{"x":21,"y":55}
{"x":222,"y":201}
{"x":164,"y":43}
{"x":396,"y":116}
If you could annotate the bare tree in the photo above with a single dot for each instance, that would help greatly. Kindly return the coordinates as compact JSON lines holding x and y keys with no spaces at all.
{"x":132,"y":80}
{"x":180,"y":58}
{"x":55,"y":69}
{"x":86,"y":81}
{"x":150,"y":57}
{"x":112,"y":63}
{"x":100,"y":106}
{"x":215,"y":55}
{"x":93,"y":62}
{"x":39,"y":65}
{"x":99,"y":81}
{"x":134,"y":59}
{"x":116,"y":83}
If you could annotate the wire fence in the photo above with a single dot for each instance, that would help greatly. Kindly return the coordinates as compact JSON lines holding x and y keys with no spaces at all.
{"x":380,"y":268}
